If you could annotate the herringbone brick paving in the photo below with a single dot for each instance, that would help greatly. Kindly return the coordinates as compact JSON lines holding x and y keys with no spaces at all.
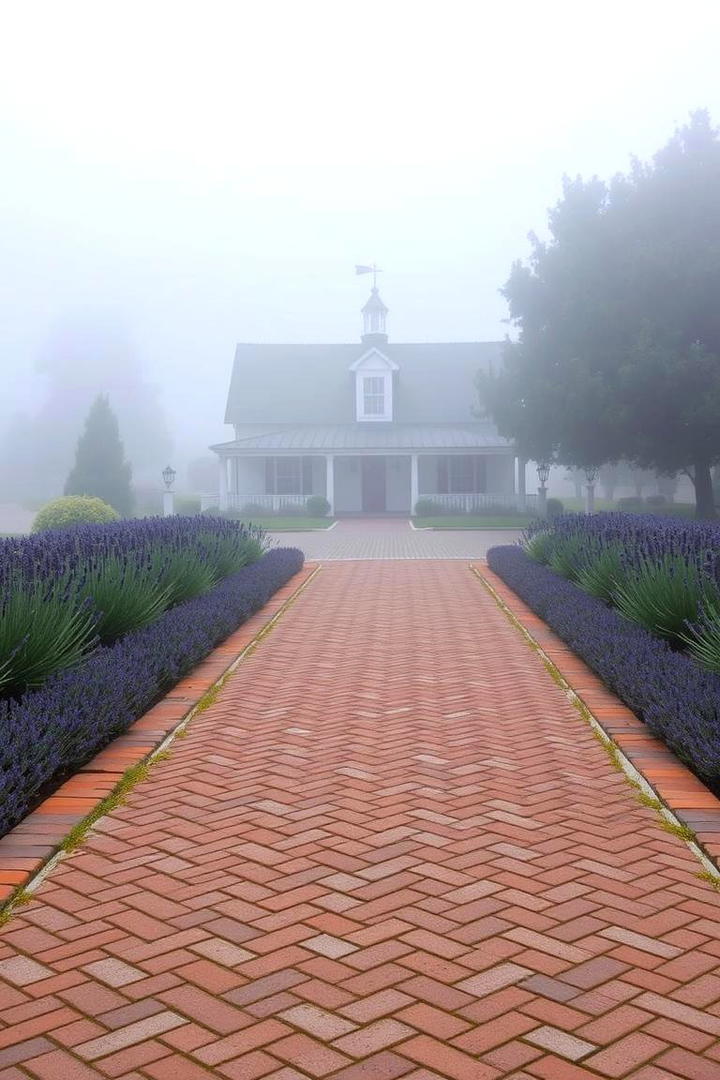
{"x":390,"y":849}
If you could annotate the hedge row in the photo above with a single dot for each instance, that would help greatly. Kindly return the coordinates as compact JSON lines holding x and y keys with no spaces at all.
{"x":52,"y":731}
{"x":677,"y":699}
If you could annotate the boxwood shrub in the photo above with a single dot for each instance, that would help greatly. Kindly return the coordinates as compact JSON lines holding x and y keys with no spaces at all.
{"x":51,"y":732}
{"x":677,"y":699}
{"x":70,"y":510}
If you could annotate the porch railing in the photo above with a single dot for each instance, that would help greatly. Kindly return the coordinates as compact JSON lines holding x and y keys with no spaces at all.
{"x":448,"y":504}
{"x":473,"y":504}
{"x":274,"y":504}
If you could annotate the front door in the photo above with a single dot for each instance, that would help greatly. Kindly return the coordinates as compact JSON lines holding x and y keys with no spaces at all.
{"x":373,"y":485}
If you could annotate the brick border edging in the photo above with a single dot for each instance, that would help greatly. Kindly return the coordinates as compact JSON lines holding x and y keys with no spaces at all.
{"x":27,"y":849}
{"x":684,"y":795}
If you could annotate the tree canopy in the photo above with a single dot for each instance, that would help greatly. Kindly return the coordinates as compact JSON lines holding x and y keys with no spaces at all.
{"x":100,"y":468}
{"x":619,"y":321}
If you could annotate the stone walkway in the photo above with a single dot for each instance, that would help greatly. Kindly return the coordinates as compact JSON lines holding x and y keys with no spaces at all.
{"x":390,"y":849}
{"x":393,"y":538}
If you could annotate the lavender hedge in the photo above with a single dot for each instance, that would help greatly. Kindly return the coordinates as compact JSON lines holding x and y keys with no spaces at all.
{"x":52,"y":731}
{"x":677,"y":699}
{"x":65,"y":591}
{"x":640,"y":537}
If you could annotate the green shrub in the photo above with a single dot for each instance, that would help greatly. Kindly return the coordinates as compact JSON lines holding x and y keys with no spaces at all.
{"x":425,"y":507}
{"x":539,"y":546}
{"x":225,"y":555}
{"x":656,"y":500}
{"x":665,"y":595}
{"x":554,"y":508}
{"x":126,"y":596}
{"x":629,"y":502}
{"x":40,"y":633}
{"x":566,"y":556}
{"x":317,"y":506}
{"x":600,"y":571}
{"x":73,"y":510}
{"x":183,"y":575}
{"x":703,"y":637}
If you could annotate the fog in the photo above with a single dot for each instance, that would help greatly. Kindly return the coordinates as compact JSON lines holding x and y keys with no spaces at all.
{"x":178,"y":177}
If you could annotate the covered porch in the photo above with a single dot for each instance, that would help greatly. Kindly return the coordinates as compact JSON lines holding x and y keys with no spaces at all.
{"x":370,"y":481}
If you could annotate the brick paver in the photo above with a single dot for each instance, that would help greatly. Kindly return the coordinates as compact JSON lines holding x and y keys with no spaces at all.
{"x":390,"y":849}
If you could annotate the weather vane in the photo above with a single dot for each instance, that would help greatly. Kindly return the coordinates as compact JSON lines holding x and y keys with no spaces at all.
{"x":372,"y":269}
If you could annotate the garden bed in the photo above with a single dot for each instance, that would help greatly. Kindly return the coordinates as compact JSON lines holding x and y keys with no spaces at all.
{"x":677,"y":699}
{"x":48,"y":732}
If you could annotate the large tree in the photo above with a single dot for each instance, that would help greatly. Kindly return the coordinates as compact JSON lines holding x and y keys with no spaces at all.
{"x":619,"y":346}
{"x":100,"y":467}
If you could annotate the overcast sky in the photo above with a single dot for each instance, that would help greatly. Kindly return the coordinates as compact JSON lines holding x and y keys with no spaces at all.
{"x":201,"y":173}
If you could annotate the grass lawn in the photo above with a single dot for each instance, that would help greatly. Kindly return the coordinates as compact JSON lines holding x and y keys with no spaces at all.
{"x":474,"y":521}
{"x":298,"y":523}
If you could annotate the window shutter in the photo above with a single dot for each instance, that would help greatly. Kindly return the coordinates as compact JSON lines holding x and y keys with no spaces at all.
{"x":269,"y":476}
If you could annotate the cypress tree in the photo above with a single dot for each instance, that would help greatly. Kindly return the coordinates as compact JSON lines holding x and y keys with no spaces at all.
{"x":100,"y":467}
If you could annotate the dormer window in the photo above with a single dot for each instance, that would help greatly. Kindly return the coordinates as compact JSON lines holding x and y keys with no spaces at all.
{"x":374,"y":386}
{"x":374,"y":395}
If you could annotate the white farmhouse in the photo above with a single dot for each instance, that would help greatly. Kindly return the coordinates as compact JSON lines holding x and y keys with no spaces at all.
{"x":372,"y":426}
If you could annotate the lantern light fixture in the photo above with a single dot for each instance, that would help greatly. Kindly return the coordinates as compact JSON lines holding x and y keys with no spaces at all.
{"x":543,"y":471}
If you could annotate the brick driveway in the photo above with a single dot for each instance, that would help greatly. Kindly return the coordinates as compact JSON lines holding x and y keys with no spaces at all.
{"x":393,"y":538}
{"x":390,"y":849}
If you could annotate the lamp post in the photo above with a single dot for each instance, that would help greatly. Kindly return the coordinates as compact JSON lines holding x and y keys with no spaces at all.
{"x":168,"y":475}
{"x":543,"y":471}
{"x":590,"y":476}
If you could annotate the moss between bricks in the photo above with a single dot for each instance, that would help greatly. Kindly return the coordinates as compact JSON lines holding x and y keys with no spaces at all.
{"x":609,"y":746}
{"x":136,"y":773}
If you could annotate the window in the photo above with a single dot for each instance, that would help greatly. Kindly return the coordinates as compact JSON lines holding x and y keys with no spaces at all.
{"x":461,"y":474}
{"x":288,"y":476}
{"x":461,"y":479}
{"x":374,"y":395}
{"x":374,"y":388}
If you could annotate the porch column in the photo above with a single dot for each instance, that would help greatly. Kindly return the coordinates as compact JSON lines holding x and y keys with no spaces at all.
{"x":521,"y":468}
{"x":330,"y":482}
{"x":414,"y":483}
{"x":223,"y":484}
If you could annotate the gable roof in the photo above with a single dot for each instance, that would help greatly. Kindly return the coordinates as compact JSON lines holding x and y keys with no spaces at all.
{"x":313,"y":384}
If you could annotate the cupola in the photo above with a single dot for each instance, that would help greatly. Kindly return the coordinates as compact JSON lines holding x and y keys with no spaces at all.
{"x":374,"y":312}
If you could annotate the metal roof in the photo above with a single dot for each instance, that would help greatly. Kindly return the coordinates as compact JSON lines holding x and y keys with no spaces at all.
{"x":372,"y":436}
{"x":313,"y":384}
